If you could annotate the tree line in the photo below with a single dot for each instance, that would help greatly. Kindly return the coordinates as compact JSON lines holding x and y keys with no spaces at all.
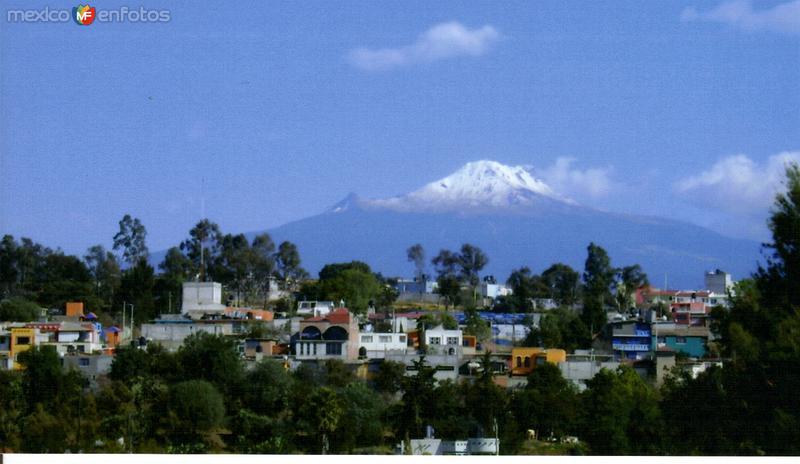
{"x":33,"y":276}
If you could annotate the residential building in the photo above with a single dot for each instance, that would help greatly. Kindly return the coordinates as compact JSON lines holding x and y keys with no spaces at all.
{"x":492,"y":290}
{"x":416,"y":286}
{"x":436,"y":447}
{"x":446,"y":365}
{"x":6,"y":359}
{"x":439,"y":340}
{"x":170,"y":330}
{"x":201,"y":299}
{"x":580,"y":369}
{"x":375,"y":345}
{"x":314,"y":308}
{"x":69,"y":337}
{"x":631,"y":340}
{"x":525,"y":359}
{"x":334,"y":335}
{"x":693,"y":341}
{"x":91,"y":366}
{"x":696,"y":368}
{"x":718,"y":282}
{"x":258,"y":348}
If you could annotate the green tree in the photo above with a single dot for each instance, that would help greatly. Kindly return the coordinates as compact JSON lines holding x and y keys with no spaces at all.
{"x":597,"y":277}
{"x":262,"y":263}
{"x":390,"y":377}
{"x":131,"y":240}
{"x":202,"y":247}
{"x":12,"y":409}
{"x":137,"y":288}
{"x":547,"y":404}
{"x":523,"y":289}
{"x":418,"y":400}
{"x":42,"y":432}
{"x":19,"y":310}
{"x":475,"y":325}
{"x":619,"y":414}
{"x":197,"y":408}
{"x":287,"y":260}
{"x":563,"y":284}
{"x":360,"y":423}
{"x":351,"y":282}
{"x":471,"y":260}
{"x":105,"y":272}
{"x":212,"y":358}
{"x":416,"y":255}
{"x":627,"y":280}
{"x":43,"y":378}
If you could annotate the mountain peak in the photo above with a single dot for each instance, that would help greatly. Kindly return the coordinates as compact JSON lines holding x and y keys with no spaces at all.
{"x":477,"y":184}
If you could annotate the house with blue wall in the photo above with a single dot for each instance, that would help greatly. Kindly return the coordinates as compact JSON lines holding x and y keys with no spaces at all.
{"x":631,"y":340}
{"x":692,"y":341}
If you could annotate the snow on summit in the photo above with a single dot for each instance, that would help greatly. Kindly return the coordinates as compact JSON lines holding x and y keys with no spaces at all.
{"x":477,"y":184}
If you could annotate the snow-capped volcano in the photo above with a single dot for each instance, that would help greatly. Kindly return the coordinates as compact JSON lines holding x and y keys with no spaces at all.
{"x":478,"y":184}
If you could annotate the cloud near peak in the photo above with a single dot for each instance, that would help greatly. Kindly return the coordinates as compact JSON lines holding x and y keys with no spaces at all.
{"x":737,"y":184}
{"x":782,"y":18}
{"x":567,"y":180}
{"x":442,"y":41}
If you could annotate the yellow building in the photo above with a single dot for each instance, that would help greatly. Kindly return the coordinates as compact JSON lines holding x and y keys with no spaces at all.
{"x":22,"y":339}
{"x":525,"y":359}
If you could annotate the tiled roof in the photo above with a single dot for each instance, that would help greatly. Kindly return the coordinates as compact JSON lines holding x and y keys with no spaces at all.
{"x":337,"y":316}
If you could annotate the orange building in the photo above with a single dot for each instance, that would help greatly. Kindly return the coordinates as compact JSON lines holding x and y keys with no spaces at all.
{"x":22,"y":339}
{"x":525,"y":359}
{"x":74,"y":309}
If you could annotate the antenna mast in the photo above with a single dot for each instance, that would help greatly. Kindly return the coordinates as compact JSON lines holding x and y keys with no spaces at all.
{"x":202,"y":238}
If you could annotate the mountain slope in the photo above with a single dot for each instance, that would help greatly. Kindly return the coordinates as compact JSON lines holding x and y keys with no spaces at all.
{"x":519,"y":221}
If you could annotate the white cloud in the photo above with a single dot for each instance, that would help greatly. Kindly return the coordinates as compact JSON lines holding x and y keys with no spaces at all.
{"x":573,"y":182}
{"x":783,"y":17}
{"x":737,"y":184}
{"x":444,"y":40}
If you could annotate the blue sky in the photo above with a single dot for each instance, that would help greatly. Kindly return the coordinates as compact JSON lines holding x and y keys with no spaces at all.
{"x":682,"y":109}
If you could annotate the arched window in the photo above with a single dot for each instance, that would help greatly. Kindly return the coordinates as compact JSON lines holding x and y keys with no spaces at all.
{"x":335,"y":333}
{"x":527,"y":361}
{"x":519,"y":361}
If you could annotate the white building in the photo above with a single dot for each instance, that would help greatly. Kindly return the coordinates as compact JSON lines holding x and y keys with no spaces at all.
{"x":439,"y":340}
{"x":170,"y":330}
{"x":200,"y":298}
{"x":718,"y":282}
{"x":375,"y":345}
{"x":314,"y":308}
{"x":490,"y":290}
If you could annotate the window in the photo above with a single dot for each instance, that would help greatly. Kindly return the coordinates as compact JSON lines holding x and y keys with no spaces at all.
{"x":385,"y":339}
{"x":527,"y":361}
{"x":333,"y":348}
{"x":452,"y":340}
{"x":83,"y":361}
{"x":402,"y":338}
{"x":680,"y":340}
{"x":23,"y":340}
{"x":435,"y":341}
{"x":366,"y":339}
{"x":519,"y":361}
